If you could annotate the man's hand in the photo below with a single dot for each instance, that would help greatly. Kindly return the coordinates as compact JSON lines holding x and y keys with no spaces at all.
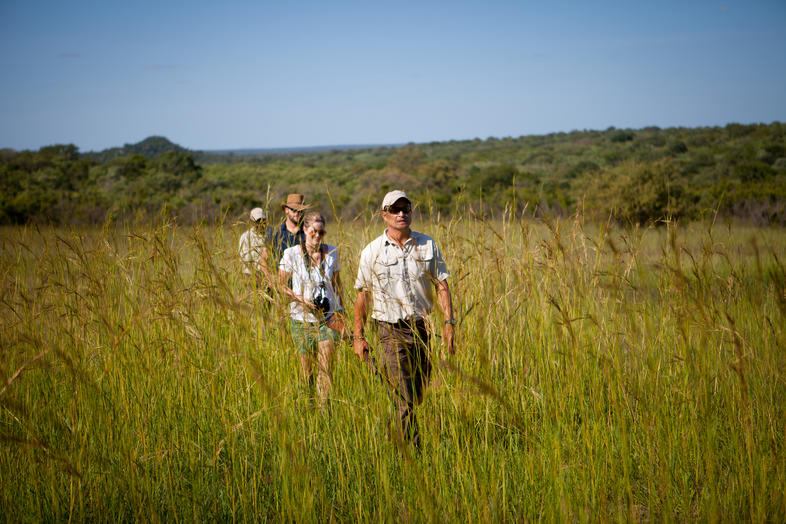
{"x":447,"y":339}
{"x":360,"y":346}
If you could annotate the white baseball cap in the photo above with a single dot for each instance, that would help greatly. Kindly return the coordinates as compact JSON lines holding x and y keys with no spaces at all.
{"x":391,"y":198}
{"x":258,"y":214}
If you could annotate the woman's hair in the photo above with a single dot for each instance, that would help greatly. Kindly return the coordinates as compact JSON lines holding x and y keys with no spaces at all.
{"x":311,"y":217}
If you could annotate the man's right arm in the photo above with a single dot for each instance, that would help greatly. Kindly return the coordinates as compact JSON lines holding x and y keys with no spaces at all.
{"x":359,"y":343}
{"x":245,"y":253}
{"x":264,"y":256}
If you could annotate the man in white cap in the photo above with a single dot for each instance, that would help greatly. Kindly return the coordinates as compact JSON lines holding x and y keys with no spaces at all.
{"x":397,"y":275}
{"x":254,"y":247}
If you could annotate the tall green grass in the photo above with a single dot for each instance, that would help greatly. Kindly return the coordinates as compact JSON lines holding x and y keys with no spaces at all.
{"x":601,"y":374}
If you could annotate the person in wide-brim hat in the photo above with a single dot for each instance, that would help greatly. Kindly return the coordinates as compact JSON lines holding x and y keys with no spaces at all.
{"x":290,"y":232}
{"x":294,"y":202}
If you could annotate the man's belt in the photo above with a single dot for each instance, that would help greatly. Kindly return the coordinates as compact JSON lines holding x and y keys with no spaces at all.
{"x":410,"y":322}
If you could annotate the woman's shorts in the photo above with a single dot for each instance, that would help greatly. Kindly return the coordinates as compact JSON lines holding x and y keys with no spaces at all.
{"x":307,"y":335}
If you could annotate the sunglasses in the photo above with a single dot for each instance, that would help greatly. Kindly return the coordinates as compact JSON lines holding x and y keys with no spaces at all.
{"x":318,"y":232}
{"x":295,"y":210}
{"x":395,"y":210}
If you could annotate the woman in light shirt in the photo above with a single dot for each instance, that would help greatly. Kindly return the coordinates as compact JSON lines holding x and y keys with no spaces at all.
{"x":313,"y":268}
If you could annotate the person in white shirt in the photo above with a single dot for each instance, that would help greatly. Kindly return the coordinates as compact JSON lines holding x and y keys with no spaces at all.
{"x":314,"y":269}
{"x":397,"y":275}
{"x":253,"y":247}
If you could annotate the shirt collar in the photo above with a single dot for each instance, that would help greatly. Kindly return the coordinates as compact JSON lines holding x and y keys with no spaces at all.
{"x":390,"y":242}
{"x":284,"y":229}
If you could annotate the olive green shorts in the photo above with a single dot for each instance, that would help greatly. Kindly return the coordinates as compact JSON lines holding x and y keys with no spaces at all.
{"x":307,"y":335}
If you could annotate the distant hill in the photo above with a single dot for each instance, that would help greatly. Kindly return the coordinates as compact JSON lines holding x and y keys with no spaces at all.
{"x":251,"y":152}
{"x":632,"y":176}
{"x":150,"y":147}
{"x":153,"y":146}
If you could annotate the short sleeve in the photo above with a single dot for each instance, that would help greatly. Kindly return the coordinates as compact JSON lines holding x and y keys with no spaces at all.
{"x":242,"y":248}
{"x":286,"y":263}
{"x":336,"y":262}
{"x":363,"y":279}
{"x":440,"y":269}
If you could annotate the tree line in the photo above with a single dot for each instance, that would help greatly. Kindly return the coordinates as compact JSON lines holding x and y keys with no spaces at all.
{"x":630,"y":176}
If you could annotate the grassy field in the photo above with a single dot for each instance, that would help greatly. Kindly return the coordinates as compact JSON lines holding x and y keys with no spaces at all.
{"x":601,"y":374}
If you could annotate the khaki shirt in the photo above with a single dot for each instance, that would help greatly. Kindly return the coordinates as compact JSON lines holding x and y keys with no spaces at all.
{"x":250,"y":248}
{"x":401,"y":281}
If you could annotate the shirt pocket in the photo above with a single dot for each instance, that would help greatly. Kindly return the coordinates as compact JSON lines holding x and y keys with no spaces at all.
{"x":422,"y":258}
{"x":386,"y":269}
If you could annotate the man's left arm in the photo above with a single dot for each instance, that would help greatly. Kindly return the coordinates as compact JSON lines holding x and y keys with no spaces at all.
{"x":446,"y":305}
{"x":439,"y":274}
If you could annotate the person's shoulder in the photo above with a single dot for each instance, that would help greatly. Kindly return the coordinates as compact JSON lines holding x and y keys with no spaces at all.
{"x":247,"y":236}
{"x":374,"y":245}
{"x":291,"y":252}
{"x":378,"y":241}
{"x":424,"y":243}
{"x":421,"y":239}
{"x":331,"y":251}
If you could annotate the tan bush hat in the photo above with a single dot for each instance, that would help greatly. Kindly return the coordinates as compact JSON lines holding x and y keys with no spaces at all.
{"x":295,"y":201}
{"x":258,"y":214}
{"x":391,"y":198}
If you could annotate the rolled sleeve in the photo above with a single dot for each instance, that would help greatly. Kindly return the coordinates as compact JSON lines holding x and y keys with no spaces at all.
{"x":245,"y":253}
{"x":439,"y":269}
{"x":363,"y":279}
{"x":245,"y":248}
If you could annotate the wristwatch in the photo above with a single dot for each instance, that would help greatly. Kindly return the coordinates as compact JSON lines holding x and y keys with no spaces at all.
{"x":451,"y":321}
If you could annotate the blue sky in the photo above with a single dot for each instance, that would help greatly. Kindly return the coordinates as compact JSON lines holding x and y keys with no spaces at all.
{"x":226,"y":75}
